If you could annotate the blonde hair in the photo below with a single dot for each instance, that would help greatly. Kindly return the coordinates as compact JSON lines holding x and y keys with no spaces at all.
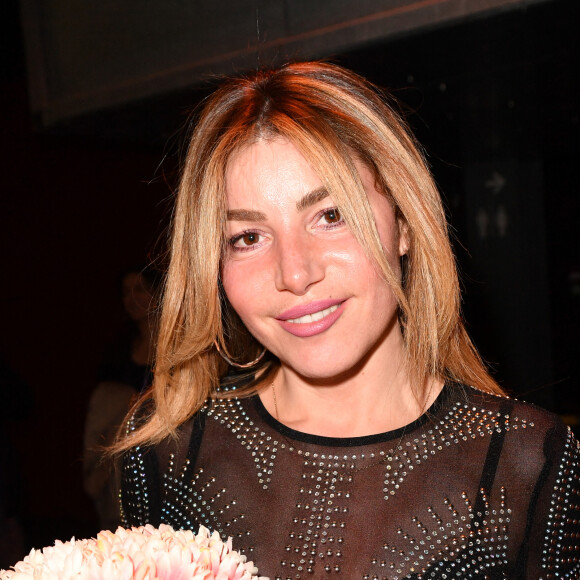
{"x":332,"y":116}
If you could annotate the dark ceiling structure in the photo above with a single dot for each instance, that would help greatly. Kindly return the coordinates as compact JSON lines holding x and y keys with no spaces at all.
{"x":94,"y":61}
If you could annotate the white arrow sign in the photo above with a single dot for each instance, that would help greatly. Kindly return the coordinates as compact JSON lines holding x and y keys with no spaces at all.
{"x":496,"y":182}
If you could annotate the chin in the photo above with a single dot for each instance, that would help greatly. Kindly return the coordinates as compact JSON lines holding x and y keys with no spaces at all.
{"x":324,"y":369}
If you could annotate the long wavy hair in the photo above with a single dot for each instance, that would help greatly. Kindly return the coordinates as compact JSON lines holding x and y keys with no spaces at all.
{"x":332,"y":116}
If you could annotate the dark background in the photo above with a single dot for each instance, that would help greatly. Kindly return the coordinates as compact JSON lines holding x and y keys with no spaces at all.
{"x":495,"y":103}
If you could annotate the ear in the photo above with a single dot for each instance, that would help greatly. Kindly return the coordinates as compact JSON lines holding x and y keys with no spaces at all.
{"x":404,"y":241}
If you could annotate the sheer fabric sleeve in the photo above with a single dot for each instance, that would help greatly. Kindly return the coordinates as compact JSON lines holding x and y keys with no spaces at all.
{"x":147,"y":471}
{"x":552,"y":546}
{"x":139,"y":484}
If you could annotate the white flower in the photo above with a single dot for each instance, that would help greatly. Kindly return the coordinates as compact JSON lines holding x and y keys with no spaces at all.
{"x":143,"y":553}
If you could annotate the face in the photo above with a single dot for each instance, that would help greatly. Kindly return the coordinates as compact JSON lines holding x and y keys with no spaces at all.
{"x":295,"y":274}
{"x":137,"y":296}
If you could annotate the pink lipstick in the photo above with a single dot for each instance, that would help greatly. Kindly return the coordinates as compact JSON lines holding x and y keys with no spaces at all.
{"x":311,"y":319}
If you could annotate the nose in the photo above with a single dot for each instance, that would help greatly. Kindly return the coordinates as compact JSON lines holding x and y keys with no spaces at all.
{"x":299,"y":265}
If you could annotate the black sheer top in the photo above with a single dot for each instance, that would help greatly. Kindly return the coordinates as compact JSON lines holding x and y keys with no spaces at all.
{"x":480,"y":487}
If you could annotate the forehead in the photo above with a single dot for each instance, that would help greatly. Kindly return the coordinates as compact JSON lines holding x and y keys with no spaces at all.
{"x":269,"y":170}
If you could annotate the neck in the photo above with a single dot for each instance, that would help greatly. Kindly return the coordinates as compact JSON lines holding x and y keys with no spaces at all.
{"x":365,"y":404}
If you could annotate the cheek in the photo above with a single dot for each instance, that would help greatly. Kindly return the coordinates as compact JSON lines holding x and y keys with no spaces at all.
{"x":243,"y":288}
{"x":369,"y":282}
{"x":359,"y":268}
{"x":231,"y":285}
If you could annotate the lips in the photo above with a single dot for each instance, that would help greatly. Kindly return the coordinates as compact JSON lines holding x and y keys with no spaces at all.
{"x":314,"y":317}
{"x":311,"y":319}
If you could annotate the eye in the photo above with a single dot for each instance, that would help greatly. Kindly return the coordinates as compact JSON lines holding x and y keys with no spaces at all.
{"x":249,"y":239}
{"x":245,"y":240}
{"x":329,"y":218}
{"x":332,"y":216}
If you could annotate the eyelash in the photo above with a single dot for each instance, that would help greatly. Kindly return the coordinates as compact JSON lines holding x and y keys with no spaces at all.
{"x":329,"y":226}
{"x":233,"y":240}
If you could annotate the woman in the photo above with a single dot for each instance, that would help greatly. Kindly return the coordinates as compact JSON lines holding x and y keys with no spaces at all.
{"x":310,"y":249}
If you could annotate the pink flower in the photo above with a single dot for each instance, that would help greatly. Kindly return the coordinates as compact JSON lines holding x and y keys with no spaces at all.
{"x":144,"y":553}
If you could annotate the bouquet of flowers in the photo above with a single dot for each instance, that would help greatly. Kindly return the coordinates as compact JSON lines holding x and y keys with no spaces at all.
{"x":143,"y":553}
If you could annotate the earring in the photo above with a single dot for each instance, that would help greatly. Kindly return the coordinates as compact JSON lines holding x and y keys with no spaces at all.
{"x":238,"y":365}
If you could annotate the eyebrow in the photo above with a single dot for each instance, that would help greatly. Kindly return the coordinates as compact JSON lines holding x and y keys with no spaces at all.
{"x":312,"y":198}
{"x":248,"y":215}
{"x":245,"y":215}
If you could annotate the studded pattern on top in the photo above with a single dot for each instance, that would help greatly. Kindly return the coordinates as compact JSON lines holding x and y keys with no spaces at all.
{"x":479,"y":487}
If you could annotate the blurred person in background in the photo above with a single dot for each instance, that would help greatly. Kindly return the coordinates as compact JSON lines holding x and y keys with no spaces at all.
{"x":123,"y":375}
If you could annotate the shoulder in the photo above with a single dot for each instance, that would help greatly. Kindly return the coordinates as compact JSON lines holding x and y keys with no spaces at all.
{"x":533,"y":457}
{"x":508,"y":407}
{"x":523,"y":425}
